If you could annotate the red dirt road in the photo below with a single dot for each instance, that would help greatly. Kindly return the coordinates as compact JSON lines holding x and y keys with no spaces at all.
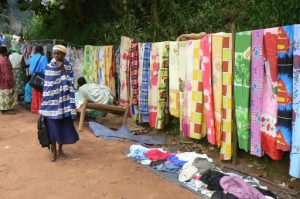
{"x":94,"y":168}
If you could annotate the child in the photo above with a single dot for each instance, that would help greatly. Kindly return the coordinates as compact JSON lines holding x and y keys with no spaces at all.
{"x":27,"y":97}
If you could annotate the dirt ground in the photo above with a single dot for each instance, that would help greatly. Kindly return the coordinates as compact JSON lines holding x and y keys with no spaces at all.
{"x":94,"y":168}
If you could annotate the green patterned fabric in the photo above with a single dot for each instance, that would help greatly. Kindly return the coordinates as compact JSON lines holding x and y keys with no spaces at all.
{"x":242,"y":87}
{"x":8,"y":99}
{"x":20,"y":79}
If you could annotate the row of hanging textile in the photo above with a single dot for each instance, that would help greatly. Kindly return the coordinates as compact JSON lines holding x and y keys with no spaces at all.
{"x":198,"y":82}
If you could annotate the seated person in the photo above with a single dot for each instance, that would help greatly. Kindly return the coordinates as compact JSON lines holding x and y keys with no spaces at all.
{"x":93,"y":93}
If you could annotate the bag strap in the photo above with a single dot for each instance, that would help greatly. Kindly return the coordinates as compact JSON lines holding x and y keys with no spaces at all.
{"x":37,"y":63}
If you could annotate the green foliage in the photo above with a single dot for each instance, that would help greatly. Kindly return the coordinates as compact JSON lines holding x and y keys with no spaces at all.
{"x":104,"y":21}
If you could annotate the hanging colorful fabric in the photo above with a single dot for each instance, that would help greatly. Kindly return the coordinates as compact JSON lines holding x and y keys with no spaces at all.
{"x":187,"y":102}
{"x":182,"y":54}
{"x":124,"y":70}
{"x":117,"y":60}
{"x":145,"y":86}
{"x":158,"y":116}
{"x":206,"y":67}
{"x":269,"y":110}
{"x":295,"y":148}
{"x":226,"y":96}
{"x":134,"y":71}
{"x":217,"y":41}
{"x":101,"y":65}
{"x":197,"y":121}
{"x":242,"y":87}
{"x":257,"y":81}
{"x":112,"y":73}
{"x":88,"y":63}
{"x":174,"y":102}
{"x":284,"y":87}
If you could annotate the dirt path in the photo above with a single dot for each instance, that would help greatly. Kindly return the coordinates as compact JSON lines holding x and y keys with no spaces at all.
{"x":94,"y":168}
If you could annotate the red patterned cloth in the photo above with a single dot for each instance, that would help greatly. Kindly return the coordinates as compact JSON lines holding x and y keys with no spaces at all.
{"x":36,"y":100}
{"x":134,"y":71}
{"x":6,"y":74}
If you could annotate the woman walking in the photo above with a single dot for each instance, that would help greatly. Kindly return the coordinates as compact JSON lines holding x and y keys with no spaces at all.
{"x":38,"y":63}
{"x":58,"y":102}
{"x":17,"y":61}
{"x":8,"y":96}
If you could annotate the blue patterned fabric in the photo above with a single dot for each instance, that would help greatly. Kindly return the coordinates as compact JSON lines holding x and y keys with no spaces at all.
{"x":58,"y":94}
{"x":145,"y":87}
{"x":41,"y":65}
{"x":118,"y":82}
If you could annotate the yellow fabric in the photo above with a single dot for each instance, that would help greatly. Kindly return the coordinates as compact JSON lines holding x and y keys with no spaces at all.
{"x":227,"y":97}
{"x":217,"y":83}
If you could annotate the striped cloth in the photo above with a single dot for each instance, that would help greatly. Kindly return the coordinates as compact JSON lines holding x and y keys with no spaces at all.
{"x":134,"y":71}
{"x":58,"y":95}
{"x":145,"y":86}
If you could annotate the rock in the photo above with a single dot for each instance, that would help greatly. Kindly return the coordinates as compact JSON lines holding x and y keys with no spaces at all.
{"x":250,"y":165}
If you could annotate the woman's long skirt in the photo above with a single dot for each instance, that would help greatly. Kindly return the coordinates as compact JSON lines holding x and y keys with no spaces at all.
{"x":62,"y":131}
{"x":20,"y":79}
{"x":36,"y":100}
{"x":8,"y":99}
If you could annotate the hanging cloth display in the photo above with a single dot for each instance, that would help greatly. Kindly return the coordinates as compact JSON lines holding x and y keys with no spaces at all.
{"x":257,"y":81}
{"x":145,"y":86}
{"x":182,"y":54}
{"x":269,"y":110}
{"x":124,"y":70}
{"x":217,"y":41}
{"x":206,"y":67}
{"x":284,"y":87}
{"x":158,"y":100}
{"x":187,"y":101}
{"x":88,"y":71}
{"x":226,"y":96}
{"x":174,"y":102}
{"x":242,"y":87}
{"x":134,"y":71}
{"x":295,"y":148}
{"x":118,"y":82}
{"x":100,"y":68}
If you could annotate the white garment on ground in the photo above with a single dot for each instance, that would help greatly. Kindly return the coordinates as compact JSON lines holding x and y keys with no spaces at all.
{"x":15,"y":60}
{"x":190,"y":156}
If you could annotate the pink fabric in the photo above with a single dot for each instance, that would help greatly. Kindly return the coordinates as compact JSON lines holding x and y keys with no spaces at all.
{"x":205,"y":57}
{"x":257,"y":80}
{"x":155,"y":154}
{"x":236,"y":186}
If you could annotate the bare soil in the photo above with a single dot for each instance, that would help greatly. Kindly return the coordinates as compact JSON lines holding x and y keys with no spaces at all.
{"x":94,"y":168}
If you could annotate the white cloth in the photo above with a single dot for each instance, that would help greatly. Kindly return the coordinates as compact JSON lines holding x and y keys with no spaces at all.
{"x":15,"y":60}
{"x":96,"y":93}
{"x":190,"y":156}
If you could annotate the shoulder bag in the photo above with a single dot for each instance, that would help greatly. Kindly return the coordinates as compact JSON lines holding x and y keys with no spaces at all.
{"x":37,"y":80}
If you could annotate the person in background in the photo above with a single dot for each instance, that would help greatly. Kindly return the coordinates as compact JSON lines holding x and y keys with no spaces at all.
{"x":38,"y":63}
{"x":93,"y":93}
{"x":27,"y":96}
{"x":49,"y":56}
{"x":17,"y":61}
{"x":8,"y":96}
{"x":58,"y":103}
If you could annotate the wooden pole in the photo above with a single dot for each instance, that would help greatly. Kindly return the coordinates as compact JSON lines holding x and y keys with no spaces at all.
{"x":234,"y":127}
